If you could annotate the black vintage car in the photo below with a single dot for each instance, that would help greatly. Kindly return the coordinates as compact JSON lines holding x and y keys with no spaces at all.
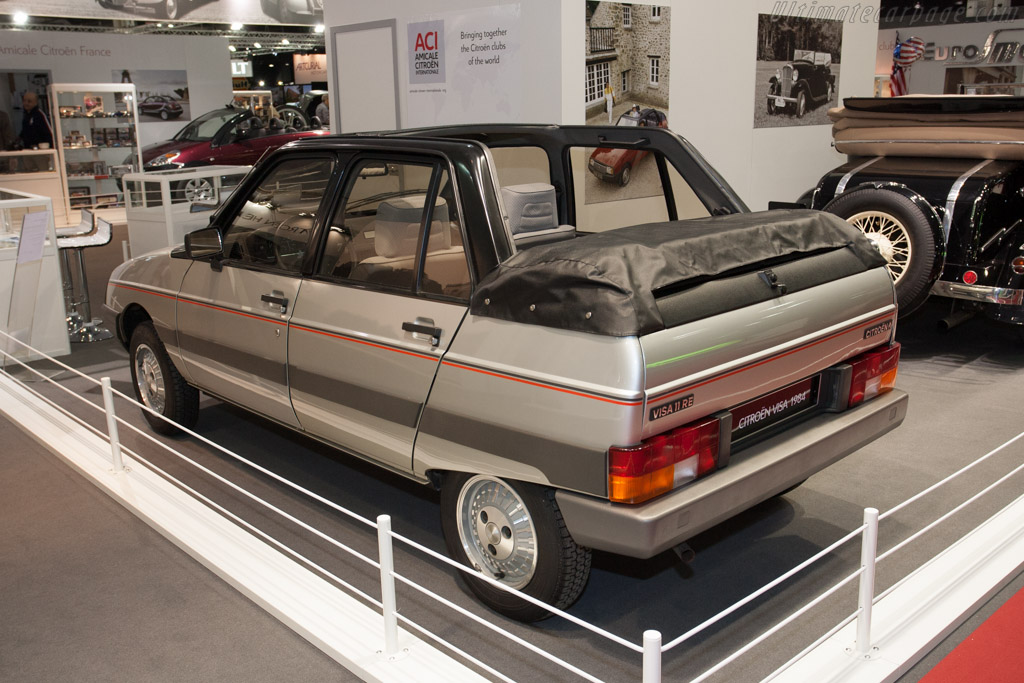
{"x":807,"y":80}
{"x":938,"y":184}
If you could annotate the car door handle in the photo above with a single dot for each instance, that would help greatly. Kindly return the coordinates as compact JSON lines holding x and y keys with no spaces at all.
{"x":278,"y":300}
{"x":416,"y":328}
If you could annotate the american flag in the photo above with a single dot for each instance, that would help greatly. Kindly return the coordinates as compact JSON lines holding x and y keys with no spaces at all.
{"x":898,"y":81}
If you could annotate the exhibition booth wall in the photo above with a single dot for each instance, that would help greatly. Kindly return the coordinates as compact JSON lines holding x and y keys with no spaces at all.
{"x":200,"y":65}
{"x":536,"y":61}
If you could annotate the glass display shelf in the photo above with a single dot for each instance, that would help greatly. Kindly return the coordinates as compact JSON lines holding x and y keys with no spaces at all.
{"x":98,"y":140}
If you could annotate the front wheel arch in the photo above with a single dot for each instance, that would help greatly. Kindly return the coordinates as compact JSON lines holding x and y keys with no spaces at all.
{"x":130,"y":318}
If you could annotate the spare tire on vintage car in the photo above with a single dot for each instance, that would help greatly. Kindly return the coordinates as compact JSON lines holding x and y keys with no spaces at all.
{"x":900,"y":230}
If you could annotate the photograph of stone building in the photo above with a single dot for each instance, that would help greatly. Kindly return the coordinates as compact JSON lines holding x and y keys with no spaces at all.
{"x":626,"y":83}
{"x":627,"y":49}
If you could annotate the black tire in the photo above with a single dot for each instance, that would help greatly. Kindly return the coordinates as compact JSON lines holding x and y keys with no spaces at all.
{"x":792,"y":488}
{"x":164,"y":115}
{"x":171,"y":9}
{"x":903,"y":235}
{"x":539,"y":557}
{"x":801,"y":104}
{"x":627,"y":173}
{"x":161,"y":387}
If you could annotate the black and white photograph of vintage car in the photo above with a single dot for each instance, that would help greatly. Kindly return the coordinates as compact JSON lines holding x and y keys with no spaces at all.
{"x":627,"y":82}
{"x":797,"y":70}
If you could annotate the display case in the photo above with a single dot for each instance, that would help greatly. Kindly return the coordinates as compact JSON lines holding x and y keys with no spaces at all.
{"x":34,"y":171}
{"x":32,"y":298}
{"x":97,"y":137}
{"x":164,"y":205}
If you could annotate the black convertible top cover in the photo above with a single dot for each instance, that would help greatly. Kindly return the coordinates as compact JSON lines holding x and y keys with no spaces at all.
{"x":609,"y":283}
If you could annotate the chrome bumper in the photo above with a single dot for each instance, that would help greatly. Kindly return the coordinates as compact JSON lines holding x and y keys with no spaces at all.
{"x":753,"y":475}
{"x":991,"y":295}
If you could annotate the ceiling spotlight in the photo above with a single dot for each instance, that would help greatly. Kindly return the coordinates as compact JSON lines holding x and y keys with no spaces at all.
{"x":257,"y":45}
{"x":280,"y":82}
{"x":285,"y":41}
{"x":20,"y":18}
{"x":262,"y":83}
{"x":159,"y":25}
{"x":170,"y":25}
{"x":232,"y":48}
{"x":319,"y":28}
{"x":270,"y":66}
{"x":236,"y":26}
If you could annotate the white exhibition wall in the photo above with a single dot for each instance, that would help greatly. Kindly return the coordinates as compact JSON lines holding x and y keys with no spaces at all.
{"x":714,"y":48}
{"x":92,"y":57}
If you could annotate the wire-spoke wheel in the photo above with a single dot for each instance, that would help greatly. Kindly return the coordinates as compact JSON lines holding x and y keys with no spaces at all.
{"x":890,"y":238}
{"x":901,"y":232}
{"x":512,"y":532}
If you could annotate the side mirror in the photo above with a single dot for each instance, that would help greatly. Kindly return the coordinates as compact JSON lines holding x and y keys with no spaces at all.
{"x":203,"y":243}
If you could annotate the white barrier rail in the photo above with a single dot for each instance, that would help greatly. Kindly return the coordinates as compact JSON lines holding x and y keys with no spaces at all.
{"x":651,"y":647}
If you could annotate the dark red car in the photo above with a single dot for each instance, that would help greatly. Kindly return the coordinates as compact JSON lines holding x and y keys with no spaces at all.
{"x":229,"y":136}
{"x":162,"y":106}
{"x":616,"y":164}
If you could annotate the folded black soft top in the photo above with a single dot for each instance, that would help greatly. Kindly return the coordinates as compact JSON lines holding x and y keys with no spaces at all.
{"x":609,"y":283}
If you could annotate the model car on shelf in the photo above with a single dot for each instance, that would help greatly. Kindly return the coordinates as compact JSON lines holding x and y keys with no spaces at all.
{"x":162,"y":106}
{"x":806,"y":81}
{"x":937,"y":183}
{"x":568,"y":384}
{"x":615,"y":165}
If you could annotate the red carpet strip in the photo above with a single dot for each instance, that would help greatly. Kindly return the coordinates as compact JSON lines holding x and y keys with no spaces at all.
{"x":993,"y":653}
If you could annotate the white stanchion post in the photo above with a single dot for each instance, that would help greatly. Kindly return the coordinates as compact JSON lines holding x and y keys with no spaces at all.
{"x":868,"y":551}
{"x":652,"y":656}
{"x":115,"y":440}
{"x":387,"y":585}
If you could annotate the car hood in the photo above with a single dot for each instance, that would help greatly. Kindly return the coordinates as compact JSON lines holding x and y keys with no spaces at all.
{"x":608,"y":156}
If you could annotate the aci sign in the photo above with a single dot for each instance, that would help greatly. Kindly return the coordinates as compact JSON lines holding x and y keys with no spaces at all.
{"x":426,"y":52}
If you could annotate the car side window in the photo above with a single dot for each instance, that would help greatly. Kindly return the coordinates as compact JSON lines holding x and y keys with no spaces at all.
{"x":274,"y":225}
{"x":374,"y":237}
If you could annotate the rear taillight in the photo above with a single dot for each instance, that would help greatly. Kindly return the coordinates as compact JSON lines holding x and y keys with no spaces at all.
{"x":662,"y":462}
{"x":874,"y":373}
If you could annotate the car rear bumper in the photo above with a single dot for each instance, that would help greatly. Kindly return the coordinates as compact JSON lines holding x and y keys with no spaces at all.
{"x":753,"y":475}
{"x":981,"y":293}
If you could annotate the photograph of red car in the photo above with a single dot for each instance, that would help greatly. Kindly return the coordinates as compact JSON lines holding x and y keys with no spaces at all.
{"x":615,"y":165}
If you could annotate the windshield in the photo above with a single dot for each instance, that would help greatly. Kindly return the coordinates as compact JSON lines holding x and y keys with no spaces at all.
{"x":627,"y":120}
{"x":206,"y":126}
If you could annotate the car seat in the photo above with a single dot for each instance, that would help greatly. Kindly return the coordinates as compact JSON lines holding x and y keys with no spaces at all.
{"x":533,"y":215}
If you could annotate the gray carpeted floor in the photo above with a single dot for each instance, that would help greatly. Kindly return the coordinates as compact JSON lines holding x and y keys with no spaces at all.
{"x":964,"y":390}
{"x":90,"y":593}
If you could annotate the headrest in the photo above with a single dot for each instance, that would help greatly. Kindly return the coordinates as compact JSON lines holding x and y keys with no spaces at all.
{"x":276,"y":124}
{"x":255,"y":122}
{"x":530,"y":207}
{"x":398,"y":225}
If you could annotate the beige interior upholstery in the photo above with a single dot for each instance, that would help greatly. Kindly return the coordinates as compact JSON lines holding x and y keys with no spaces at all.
{"x":533,"y":214}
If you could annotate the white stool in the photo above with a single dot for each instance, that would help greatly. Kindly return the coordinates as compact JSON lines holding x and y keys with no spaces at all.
{"x":82,"y":327}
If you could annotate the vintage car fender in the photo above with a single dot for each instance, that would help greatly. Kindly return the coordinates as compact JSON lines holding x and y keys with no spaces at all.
{"x":930,"y":213}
